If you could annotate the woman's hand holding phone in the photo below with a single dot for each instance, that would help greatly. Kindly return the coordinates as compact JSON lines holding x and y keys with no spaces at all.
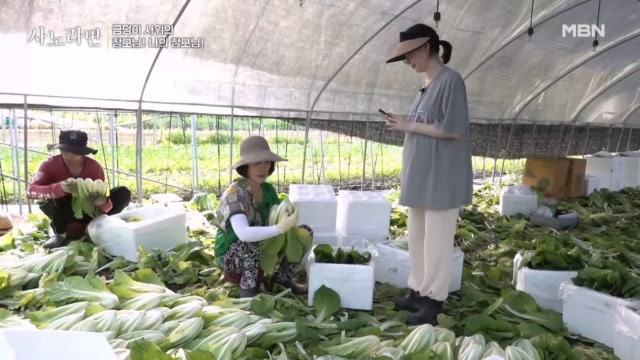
{"x":396,"y":123}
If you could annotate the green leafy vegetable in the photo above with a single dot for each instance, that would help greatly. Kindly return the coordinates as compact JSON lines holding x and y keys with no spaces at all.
{"x":74,"y":288}
{"x":293,"y":244}
{"x":326,"y":302}
{"x":325,"y":254}
{"x":80,"y":202}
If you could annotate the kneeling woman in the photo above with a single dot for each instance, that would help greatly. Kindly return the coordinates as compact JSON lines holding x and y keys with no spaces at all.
{"x":241,"y":215}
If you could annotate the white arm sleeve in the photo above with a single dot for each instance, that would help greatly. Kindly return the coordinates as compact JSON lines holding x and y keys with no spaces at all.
{"x":246,"y":233}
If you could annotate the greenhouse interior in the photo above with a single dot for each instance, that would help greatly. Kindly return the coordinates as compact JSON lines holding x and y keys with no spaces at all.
{"x":133,"y":133}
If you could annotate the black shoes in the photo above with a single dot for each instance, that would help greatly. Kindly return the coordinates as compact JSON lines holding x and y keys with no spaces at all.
{"x":409,"y":302}
{"x":296,"y":288}
{"x":247,"y":293}
{"x":55,"y":241}
{"x":428,"y":311}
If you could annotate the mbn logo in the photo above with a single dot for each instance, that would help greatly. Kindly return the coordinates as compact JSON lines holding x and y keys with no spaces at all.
{"x":582,"y":30}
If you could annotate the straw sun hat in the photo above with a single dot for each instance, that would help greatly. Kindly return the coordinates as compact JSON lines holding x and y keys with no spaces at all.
{"x":255,"y":149}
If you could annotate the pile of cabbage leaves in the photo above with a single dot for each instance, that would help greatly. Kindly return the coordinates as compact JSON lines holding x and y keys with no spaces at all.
{"x":190,"y":313}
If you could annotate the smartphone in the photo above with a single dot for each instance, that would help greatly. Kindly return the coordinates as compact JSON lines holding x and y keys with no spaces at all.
{"x":383,"y":112}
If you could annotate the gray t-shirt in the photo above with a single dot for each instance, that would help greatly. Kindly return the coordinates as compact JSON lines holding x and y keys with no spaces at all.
{"x":437,"y":173}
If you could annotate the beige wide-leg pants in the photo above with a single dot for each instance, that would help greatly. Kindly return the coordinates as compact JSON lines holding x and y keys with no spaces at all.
{"x":431,"y":234}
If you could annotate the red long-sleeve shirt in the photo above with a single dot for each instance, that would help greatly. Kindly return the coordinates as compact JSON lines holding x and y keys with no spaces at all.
{"x":48,"y":181}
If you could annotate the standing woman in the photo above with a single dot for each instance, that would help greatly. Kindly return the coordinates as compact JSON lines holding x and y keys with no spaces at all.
{"x":437,"y":177}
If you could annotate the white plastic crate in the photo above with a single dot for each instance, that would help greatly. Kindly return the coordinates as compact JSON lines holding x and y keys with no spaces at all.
{"x":612,"y":183}
{"x":394,"y":265}
{"x":512,"y":204}
{"x":162,"y":227}
{"x":590,"y":313}
{"x":365,"y":213}
{"x":26,"y":344}
{"x":355,"y":289}
{"x":631,"y":171}
{"x":631,"y":180}
{"x":542,"y":285}
{"x":604,"y":165}
{"x":594,"y":182}
{"x":626,"y":344}
{"x":318,"y":206}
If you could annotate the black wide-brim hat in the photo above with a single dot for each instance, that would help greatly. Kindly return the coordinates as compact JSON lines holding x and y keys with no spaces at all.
{"x":74,"y":141}
{"x":411,"y":39}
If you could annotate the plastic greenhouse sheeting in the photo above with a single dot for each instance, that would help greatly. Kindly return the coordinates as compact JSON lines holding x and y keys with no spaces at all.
{"x":278,"y":58}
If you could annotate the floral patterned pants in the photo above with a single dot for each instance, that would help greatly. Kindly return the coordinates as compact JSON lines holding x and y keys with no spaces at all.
{"x":244,"y":258}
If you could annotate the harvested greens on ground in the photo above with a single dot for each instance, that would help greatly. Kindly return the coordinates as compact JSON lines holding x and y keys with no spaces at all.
{"x":173,"y":305}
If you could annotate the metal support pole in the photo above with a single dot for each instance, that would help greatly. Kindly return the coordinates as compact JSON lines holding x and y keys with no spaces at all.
{"x":629,"y":140}
{"x":570,"y":138}
{"x":313,"y":162}
{"x":620,"y":139}
{"x":194,"y":146}
{"x":322,"y":168}
{"x":155,"y":132}
{"x":97,"y":135}
{"x":112,"y":145}
{"x":586,"y":141}
{"x":506,"y":147}
{"x":364,"y":154}
{"x":16,"y":155}
{"x":609,"y":138}
{"x":231,"y":146}
{"x":373,"y":167}
{"x":495,"y":159}
{"x":26,"y":155}
{"x":13,"y":150}
{"x":139,"y":133}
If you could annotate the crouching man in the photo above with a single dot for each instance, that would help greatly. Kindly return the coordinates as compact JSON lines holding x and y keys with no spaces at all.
{"x":55,"y":181}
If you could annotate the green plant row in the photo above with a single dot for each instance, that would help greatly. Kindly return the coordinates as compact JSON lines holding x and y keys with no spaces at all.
{"x":178,"y":137}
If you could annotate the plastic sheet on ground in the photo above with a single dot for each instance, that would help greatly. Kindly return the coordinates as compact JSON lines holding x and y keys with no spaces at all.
{"x":626,"y":344}
{"x":628,"y":320}
{"x":107,"y":230}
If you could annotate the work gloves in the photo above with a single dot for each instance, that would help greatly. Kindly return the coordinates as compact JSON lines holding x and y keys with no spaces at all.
{"x":287,"y":222}
{"x":97,"y":199}
{"x":70,"y":186}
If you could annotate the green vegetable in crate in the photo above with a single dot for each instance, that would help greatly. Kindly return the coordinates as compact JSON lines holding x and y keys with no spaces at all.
{"x":324,"y":254}
{"x":84,"y":200}
{"x":611,"y":278}
{"x":292,"y":244}
{"x":133,"y":219}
